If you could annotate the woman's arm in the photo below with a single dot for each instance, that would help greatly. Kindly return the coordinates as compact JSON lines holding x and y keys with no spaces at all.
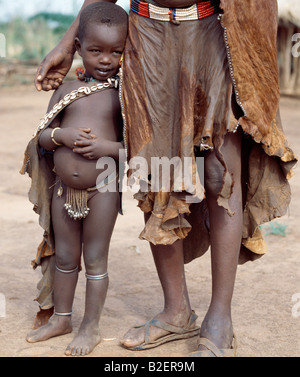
{"x":50,"y":139}
{"x":58,"y":62}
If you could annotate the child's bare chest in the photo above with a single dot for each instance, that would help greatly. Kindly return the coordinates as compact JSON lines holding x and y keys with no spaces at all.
{"x":99,"y":111}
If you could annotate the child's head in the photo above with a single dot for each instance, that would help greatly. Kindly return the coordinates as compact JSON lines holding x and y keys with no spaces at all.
{"x":101,"y":39}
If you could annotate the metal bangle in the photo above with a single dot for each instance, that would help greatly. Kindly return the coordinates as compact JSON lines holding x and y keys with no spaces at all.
{"x":66,"y":271}
{"x":96,"y":277}
{"x":52,"y":136}
{"x":63,"y":314}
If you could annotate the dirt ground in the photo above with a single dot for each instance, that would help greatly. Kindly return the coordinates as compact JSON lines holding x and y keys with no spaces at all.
{"x":266,"y":309}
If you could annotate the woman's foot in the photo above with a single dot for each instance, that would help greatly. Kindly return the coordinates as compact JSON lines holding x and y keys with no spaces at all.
{"x":57,"y":325}
{"x":84,"y":342}
{"x":218,"y":329}
{"x":136,"y":336}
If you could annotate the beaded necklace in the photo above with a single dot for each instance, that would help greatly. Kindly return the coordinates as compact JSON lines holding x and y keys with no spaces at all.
{"x":87,"y":79}
{"x":80,"y":73}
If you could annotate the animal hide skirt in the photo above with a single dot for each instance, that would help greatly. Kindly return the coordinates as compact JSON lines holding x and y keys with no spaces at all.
{"x":179,"y":99}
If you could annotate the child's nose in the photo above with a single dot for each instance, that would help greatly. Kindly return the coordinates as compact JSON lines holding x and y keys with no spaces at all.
{"x":105,"y":59}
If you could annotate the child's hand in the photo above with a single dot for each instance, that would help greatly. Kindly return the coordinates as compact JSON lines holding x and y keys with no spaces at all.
{"x":92,"y":148}
{"x":71,"y":136}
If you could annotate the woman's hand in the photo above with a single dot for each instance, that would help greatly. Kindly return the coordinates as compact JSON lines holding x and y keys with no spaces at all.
{"x":54,"y":68}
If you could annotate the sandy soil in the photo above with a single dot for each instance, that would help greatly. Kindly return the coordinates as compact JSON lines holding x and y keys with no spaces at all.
{"x":266,"y":319}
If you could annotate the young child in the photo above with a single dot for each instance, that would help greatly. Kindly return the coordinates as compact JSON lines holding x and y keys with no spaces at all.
{"x":84,"y":210}
{"x":185,"y":70}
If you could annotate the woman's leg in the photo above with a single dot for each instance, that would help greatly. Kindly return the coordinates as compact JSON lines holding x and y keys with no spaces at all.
{"x":226,"y":240}
{"x":67,"y":234}
{"x":97,"y":231}
{"x":225,"y":234}
{"x":169,"y":264}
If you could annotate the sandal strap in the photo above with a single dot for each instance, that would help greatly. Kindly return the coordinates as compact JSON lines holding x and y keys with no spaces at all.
{"x":168,"y":327}
{"x":215,"y":350}
{"x":210,"y":347}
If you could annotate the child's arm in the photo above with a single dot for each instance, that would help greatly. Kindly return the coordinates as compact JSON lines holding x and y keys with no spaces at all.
{"x":95,"y":148}
{"x":45,"y":139}
{"x":53,"y":136}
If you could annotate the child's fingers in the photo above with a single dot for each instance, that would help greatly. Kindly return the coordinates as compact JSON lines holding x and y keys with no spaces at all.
{"x":84,"y":152}
{"x":83,"y":143}
{"x":87,"y":133}
{"x":88,"y":156}
{"x":77,"y":150}
{"x":82,"y":149}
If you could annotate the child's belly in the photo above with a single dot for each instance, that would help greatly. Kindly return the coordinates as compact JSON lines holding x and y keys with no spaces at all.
{"x":74,"y":170}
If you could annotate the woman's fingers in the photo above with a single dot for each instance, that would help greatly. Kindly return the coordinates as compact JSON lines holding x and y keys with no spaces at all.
{"x":40,"y":80}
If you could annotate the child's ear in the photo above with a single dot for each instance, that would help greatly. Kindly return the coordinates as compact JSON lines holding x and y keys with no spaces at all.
{"x":78,"y":45}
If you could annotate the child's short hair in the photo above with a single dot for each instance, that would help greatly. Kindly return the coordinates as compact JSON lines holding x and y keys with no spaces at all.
{"x":103,"y":12}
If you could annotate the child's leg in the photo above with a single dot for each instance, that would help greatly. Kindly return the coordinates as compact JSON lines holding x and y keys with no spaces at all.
{"x":226,"y":235}
{"x":97,"y":231}
{"x":67,"y":234}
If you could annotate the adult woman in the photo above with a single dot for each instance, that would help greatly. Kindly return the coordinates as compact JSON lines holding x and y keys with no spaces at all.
{"x":202,"y":56}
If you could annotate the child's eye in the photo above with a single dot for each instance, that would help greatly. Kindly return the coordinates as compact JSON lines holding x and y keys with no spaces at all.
{"x":118,"y":52}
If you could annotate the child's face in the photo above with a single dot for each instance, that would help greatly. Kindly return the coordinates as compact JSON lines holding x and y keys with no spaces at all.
{"x":101,"y":50}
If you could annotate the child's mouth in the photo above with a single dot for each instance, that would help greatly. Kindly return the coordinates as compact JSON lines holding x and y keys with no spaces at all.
{"x":103,"y":72}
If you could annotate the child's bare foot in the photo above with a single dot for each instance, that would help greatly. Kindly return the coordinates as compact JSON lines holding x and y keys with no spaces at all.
{"x":84,"y":342}
{"x":56,"y":326}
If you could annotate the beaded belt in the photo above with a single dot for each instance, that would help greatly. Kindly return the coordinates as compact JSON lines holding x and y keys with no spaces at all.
{"x":195,"y":12}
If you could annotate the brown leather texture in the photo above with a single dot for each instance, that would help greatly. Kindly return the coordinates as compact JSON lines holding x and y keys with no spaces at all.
{"x":173,"y":91}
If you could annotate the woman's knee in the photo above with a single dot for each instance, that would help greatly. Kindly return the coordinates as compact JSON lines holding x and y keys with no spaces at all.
{"x":213,"y":177}
{"x":214,"y":170}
